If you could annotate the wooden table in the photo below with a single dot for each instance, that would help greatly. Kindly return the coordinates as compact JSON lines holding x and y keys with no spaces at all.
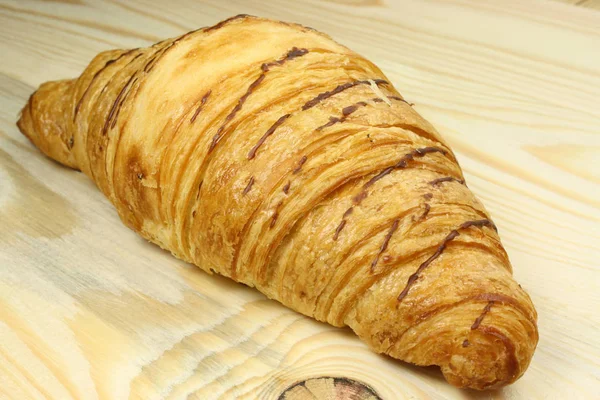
{"x":88,"y":310}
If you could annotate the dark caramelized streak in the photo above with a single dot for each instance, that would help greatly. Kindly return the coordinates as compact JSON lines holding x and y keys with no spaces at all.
{"x":431,"y":149}
{"x":296,"y":52}
{"x":403,"y":162}
{"x":482,"y":316}
{"x":78,"y":105}
{"x":293,"y":53}
{"x":342,"y":223}
{"x":199,"y":187}
{"x":274,"y":219}
{"x":286,"y":188}
{"x":412,"y":279}
{"x":437,"y":181}
{"x":114,"y":106}
{"x":107,"y":121}
{"x":332,"y":120}
{"x":119,"y":106}
{"x":384,"y":245}
{"x":243,"y":99}
{"x":360,"y":197}
{"x":450,"y":237}
{"x":269,"y":132}
{"x":336,"y":287}
{"x":109,"y":62}
{"x":226,"y":21}
{"x":300,"y":164}
{"x":249,"y":186}
{"x":202,"y":102}
{"x":478,"y":224}
{"x":400,"y":99}
{"x":235,"y":110}
{"x":275,"y":216}
{"x":466,"y":343}
{"x":157,"y":56}
{"x":290,"y":55}
{"x":495,"y":297}
{"x":338,"y":89}
{"x":151,"y":59}
{"x":339,"y":229}
{"x":292,"y":223}
{"x":428,"y":196}
{"x":426,"y":212}
{"x":378,"y":176}
{"x":346,"y":111}
{"x":350,"y":109}
{"x":125,"y":66}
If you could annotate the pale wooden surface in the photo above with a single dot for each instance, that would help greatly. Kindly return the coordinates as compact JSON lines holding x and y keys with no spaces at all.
{"x":593,"y":4}
{"x":90,"y":311}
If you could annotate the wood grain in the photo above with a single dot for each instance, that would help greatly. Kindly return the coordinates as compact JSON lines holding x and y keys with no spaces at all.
{"x":592,"y":4}
{"x":88,"y":310}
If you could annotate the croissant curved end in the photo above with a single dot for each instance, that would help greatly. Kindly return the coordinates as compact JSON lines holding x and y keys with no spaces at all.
{"x":483,"y":356}
{"x":477,"y":366}
{"x":45,"y":125}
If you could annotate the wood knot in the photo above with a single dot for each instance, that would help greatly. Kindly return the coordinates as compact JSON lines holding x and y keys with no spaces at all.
{"x":329,"y":388}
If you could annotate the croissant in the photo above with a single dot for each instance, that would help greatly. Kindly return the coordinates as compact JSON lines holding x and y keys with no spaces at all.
{"x":268,"y":153}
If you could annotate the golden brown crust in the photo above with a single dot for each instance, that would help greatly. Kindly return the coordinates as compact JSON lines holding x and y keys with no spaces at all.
{"x":269,"y":153}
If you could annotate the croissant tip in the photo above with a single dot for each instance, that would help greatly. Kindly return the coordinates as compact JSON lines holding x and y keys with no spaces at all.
{"x":488,"y":362}
{"x":24,"y":119}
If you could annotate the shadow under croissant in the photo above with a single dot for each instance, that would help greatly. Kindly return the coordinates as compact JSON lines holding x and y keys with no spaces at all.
{"x":311,"y":387}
